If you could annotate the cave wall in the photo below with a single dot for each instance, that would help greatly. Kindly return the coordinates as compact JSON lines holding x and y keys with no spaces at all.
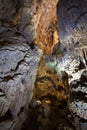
{"x":22,"y":23}
{"x":47,"y":26}
{"x":18,"y":67}
{"x":39,"y":17}
{"x":26,"y":23}
{"x":72,"y":22}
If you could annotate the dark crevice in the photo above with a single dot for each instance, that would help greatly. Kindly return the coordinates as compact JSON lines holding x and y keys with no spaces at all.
{"x":41,"y":79}
{"x":19,"y":63}
{"x":83,"y":120}
{"x":32,"y":45}
{"x":78,"y":95}
{"x":2,"y":94}
{"x":81,"y":66}
{"x":84,"y":55}
{"x":60,"y":88}
{"x":7,"y":116}
{"x":9,"y":77}
{"x":21,"y":110}
{"x":49,"y":96}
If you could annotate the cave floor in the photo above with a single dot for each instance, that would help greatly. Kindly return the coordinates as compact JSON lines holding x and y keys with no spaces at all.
{"x":48,"y":108}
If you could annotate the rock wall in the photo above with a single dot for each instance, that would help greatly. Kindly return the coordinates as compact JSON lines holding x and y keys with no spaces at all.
{"x":35,"y":19}
{"x":73,"y":40}
{"x":22,"y":23}
{"x":39,"y":21}
{"x":70,"y":59}
{"x":18,"y":66}
{"x":47,"y":25}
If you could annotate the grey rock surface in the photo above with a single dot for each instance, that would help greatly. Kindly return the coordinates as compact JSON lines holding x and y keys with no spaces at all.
{"x":72,"y":19}
{"x":72,"y":23}
{"x":18,"y":67}
{"x":29,"y":20}
{"x":18,"y":64}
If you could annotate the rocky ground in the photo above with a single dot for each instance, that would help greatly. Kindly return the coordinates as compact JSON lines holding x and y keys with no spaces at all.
{"x":48,"y":108}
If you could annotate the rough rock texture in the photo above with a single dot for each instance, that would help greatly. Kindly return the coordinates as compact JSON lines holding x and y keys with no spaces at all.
{"x":48,"y":108}
{"x":47,"y":25}
{"x":39,"y":20}
{"x":21,"y":24}
{"x":72,"y":22}
{"x":35,"y":19}
{"x":18,"y":67}
{"x":29,"y":20}
{"x":78,"y":96}
{"x":70,"y":61}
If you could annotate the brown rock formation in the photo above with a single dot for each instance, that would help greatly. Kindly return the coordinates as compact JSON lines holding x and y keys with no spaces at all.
{"x":47,"y":25}
{"x":40,"y":23}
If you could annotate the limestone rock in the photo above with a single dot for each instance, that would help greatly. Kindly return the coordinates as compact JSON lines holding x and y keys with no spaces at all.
{"x":72,"y":19}
{"x":47,"y":25}
{"x":18,"y":67}
{"x":18,"y":62}
{"x":34,"y":14}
